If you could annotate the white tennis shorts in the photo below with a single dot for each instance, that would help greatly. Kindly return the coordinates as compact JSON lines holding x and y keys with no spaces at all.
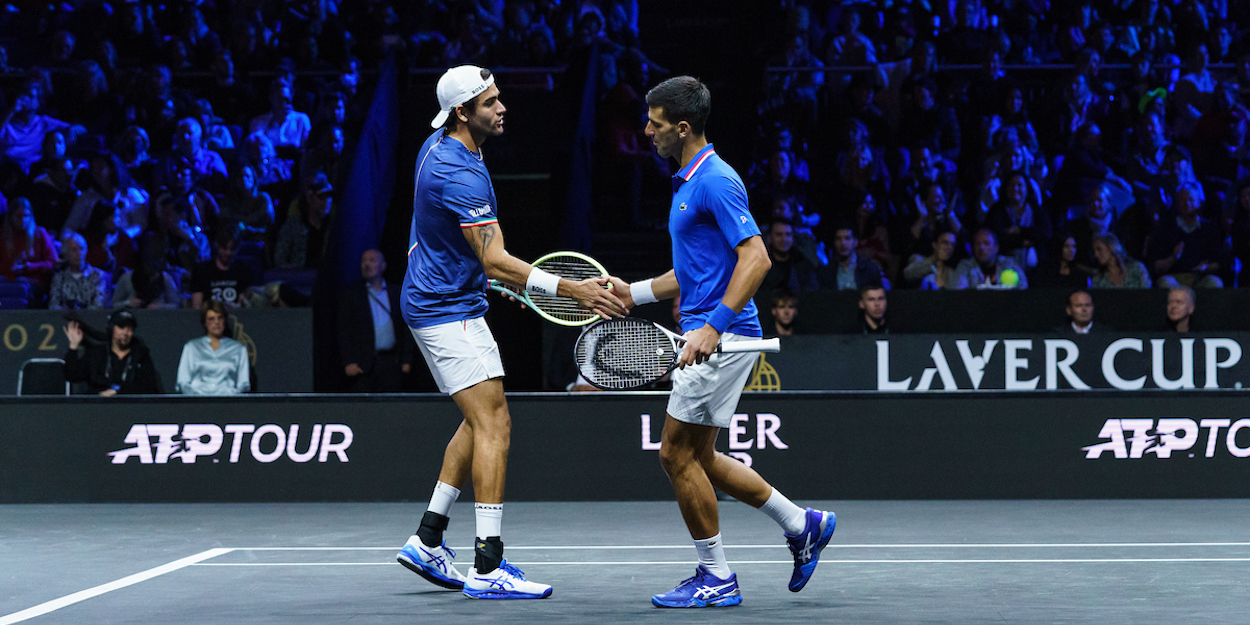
{"x":460,"y":353}
{"x":708,"y":394}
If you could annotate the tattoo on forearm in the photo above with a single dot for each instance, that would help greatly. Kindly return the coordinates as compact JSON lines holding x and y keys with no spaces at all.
{"x":486,"y":236}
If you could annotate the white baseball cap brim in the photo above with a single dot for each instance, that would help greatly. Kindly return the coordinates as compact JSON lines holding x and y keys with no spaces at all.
{"x":457,"y":86}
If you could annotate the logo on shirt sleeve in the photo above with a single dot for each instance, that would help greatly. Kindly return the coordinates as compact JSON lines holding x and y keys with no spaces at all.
{"x":479,"y":212}
{"x":743,"y":218}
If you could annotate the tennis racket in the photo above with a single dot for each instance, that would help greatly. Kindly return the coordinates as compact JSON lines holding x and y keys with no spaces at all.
{"x":629,"y":353}
{"x":555,"y":308}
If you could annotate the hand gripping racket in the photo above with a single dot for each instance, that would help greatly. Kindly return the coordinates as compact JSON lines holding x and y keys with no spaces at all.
{"x":555,"y":308}
{"x":629,"y":353}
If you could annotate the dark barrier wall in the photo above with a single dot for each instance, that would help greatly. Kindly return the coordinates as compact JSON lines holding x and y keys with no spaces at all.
{"x":603,"y":447}
{"x":931,"y":362}
{"x":278,"y":341}
{"x":1030,"y":311}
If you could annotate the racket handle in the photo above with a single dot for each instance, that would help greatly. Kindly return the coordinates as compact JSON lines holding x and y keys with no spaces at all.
{"x":772,"y":345}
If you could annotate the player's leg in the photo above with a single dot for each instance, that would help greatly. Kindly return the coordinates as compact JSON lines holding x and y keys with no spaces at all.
{"x":689,"y":435}
{"x":807,"y":531}
{"x":426,"y":553}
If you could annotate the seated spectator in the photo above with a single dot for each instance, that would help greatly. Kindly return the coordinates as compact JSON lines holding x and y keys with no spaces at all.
{"x":930,"y":123}
{"x":849,"y":270}
{"x":1099,"y":219}
{"x":1185,"y":248}
{"x":133,"y":148}
{"x":1116,"y":270}
{"x":110,"y":182}
{"x":246,"y":206}
{"x":790,"y":270}
{"x":1062,"y":269}
{"x":303,"y":238}
{"x":925,"y":166}
{"x":213,"y":364}
{"x":1149,"y":147}
{"x":208,"y":169}
{"x":273,"y":173}
{"x":1084,"y":166}
{"x":220,"y":279}
{"x":873,"y":305}
{"x":193,"y":201}
{"x":1022,"y":227}
{"x":785,"y":311}
{"x":173,"y":238}
{"x":54,"y":148}
{"x":937,"y":270}
{"x":217,"y":136}
{"x":78,"y":285}
{"x":232,"y":99}
{"x":27,"y":251}
{"x":121,"y":365}
{"x":1080,"y":311}
{"x":108,"y":246}
{"x":148,"y":286}
{"x":24,"y":127}
{"x":1240,"y":230}
{"x":986,"y":269}
{"x":1012,"y":114}
{"x":1180,"y":309}
{"x":323,"y":157}
{"x":285,"y":126}
{"x":916,"y":227}
{"x":53,"y":194}
{"x":870,"y":231}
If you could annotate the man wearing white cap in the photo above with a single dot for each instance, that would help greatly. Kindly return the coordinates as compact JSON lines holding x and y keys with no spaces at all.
{"x":454,"y":245}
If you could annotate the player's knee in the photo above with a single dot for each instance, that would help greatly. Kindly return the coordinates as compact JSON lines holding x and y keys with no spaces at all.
{"x":673,"y":457}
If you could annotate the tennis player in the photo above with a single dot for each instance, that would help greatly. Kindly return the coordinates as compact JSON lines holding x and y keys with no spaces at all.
{"x":454,"y":244}
{"x":719,"y":260}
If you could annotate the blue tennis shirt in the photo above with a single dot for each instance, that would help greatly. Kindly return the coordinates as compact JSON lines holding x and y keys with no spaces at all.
{"x":708,"y":219}
{"x":445,"y":281}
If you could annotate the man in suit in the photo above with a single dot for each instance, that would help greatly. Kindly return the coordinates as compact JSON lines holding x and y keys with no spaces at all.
{"x":374,"y":342}
{"x":1080,"y":311}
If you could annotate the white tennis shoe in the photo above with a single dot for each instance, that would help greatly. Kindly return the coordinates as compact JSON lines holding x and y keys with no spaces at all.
{"x":505,"y":582}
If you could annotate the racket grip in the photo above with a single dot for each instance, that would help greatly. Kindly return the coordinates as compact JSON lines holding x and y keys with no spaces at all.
{"x":772,"y":345}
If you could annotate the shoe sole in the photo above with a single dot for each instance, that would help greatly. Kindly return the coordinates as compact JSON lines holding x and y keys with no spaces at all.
{"x":488,"y":594}
{"x":428,"y":575}
{"x":724,"y":602}
{"x":821,"y":543}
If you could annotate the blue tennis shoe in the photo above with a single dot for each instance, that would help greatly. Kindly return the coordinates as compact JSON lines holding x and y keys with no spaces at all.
{"x":806,"y":546}
{"x":704,"y":590}
{"x":432,"y":563}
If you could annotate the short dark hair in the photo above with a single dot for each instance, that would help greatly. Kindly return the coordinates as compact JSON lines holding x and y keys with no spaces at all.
{"x":226,"y":234}
{"x":683,"y":98}
{"x":469,"y":107}
{"x":870,"y":286}
{"x":782,"y":296}
{"x":1076,"y":291}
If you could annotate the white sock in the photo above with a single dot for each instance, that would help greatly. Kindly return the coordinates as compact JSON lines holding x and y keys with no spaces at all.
{"x":489,"y":519}
{"x":790,"y":517}
{"x":444,"y":495}
{"x":712,"y":556}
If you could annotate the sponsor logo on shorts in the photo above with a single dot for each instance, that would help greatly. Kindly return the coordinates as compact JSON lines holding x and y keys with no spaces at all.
{"x":1136,"y":438}
{"x":160,"y":443}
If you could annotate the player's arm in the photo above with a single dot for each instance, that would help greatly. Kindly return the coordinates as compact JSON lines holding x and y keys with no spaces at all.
{"x":647,"y":291}
{"x":487,"y":242}
{"x":753,"y":264}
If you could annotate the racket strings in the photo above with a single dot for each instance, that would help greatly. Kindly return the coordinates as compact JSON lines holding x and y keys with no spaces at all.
{"x":624,"y":354}
{"x":569,"y":268}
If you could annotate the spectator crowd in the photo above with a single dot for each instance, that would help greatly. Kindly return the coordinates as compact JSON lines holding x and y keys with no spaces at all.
{"x":910,"y":144}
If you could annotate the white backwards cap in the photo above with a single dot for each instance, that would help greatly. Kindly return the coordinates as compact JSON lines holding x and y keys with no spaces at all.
{"x":457,"y":86}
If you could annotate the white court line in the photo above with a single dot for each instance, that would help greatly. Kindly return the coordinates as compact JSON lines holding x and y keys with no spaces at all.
{"x":129,"y":580}
{"x":788,"y":562}
{"x":780,"y":546}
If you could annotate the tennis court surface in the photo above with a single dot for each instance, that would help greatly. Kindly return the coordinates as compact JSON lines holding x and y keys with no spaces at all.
{"x":1121,"y":561}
